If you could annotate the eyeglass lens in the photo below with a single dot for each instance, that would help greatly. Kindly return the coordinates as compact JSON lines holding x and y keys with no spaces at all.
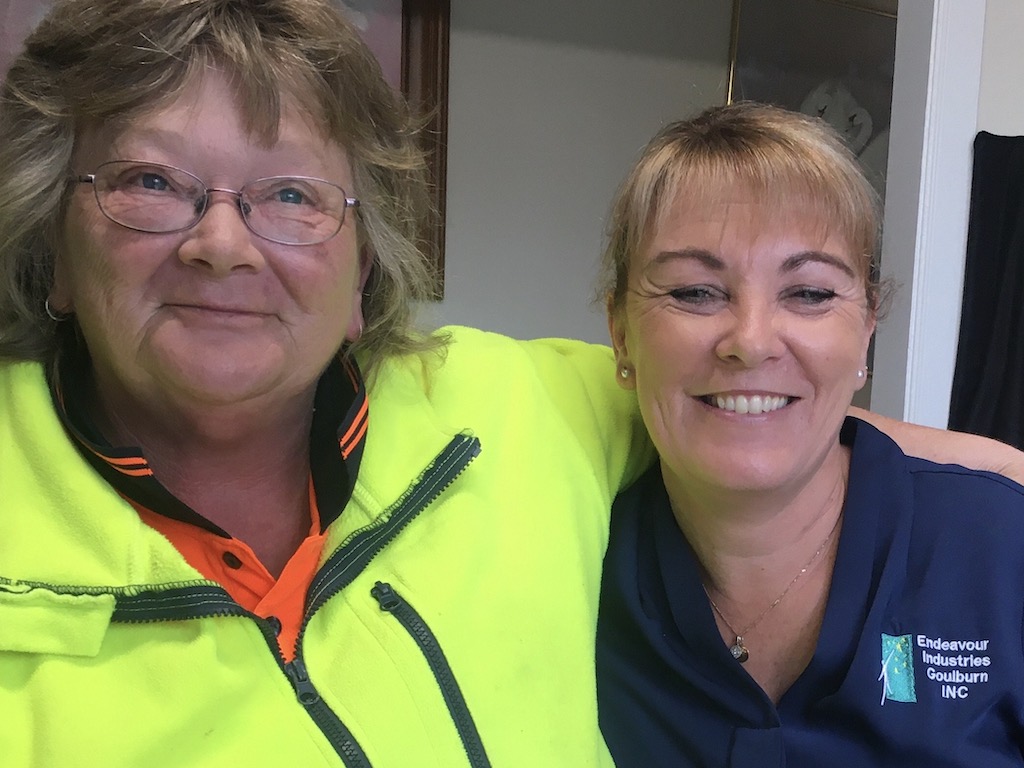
{"x":150,"y":197}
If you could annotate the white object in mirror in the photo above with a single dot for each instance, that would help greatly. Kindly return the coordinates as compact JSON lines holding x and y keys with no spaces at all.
{"x":833,"y":103}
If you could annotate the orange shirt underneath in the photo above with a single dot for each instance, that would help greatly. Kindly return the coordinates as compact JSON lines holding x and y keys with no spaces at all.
{"x":340,"y":421}
{"x":232,"y":564}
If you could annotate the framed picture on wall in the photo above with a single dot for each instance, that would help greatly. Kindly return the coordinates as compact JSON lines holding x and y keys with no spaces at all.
{"x":830,"y":58}
{"x":409,"y":38}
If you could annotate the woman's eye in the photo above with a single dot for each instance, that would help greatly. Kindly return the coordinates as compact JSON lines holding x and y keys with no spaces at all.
{"x":290,"y":195}
{"x":155,"y":181}
{"x":811,"y":296}
{"x":149,"y":180}
{"x":696,"y":294}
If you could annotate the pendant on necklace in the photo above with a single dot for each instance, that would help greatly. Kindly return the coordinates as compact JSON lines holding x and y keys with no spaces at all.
{"x":739,"y":650}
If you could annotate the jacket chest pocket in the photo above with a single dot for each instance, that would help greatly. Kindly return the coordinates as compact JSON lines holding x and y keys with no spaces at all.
{"x":38,"y":620}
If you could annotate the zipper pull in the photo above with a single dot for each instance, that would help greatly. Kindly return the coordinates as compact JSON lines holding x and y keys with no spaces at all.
{"x":296,"y":671}
{"x":386,"y":596}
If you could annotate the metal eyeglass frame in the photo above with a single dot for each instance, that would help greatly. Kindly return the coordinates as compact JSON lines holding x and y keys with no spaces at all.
{"x":90,"y":178}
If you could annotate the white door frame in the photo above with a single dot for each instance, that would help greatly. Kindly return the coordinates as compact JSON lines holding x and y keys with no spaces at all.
{"x":934,"y":120}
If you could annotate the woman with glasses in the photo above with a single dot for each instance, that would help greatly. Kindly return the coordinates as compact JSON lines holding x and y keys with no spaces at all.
{"x":248,"y":515}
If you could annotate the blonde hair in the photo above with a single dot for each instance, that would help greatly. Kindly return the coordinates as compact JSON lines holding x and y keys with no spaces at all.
{"x":97,"y":61}
{"x":784,"y":161}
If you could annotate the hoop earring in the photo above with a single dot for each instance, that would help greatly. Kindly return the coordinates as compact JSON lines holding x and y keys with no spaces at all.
{"x":358,"y":334}
{"x":51,"y":314}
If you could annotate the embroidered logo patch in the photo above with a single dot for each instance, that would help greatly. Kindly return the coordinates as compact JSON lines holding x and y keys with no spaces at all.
{"x":897,"y":675}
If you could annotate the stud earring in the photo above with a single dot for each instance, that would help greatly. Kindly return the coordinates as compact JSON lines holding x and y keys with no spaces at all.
{"x":860,"y":373}
{"x":624,"y":372}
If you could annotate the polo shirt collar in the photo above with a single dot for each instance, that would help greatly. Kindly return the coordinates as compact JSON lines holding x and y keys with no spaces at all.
{"x":336,"y":441}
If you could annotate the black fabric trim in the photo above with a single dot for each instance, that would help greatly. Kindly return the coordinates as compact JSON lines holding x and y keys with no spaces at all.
{"x":339,"y":398}
{"x":333,"y":484}
{"x":347,"y":562}
{"x":175,"y":604}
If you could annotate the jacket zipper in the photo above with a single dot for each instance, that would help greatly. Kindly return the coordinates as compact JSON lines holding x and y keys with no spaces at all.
{"x":399,"y":607}
{"x":199,"y":602}
{"x":327,"y":721}
{"x":336,"y":732}
{"x":347,"y":562}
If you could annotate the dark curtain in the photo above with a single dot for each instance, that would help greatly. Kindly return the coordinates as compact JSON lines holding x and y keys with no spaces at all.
{"x":988,"y":385}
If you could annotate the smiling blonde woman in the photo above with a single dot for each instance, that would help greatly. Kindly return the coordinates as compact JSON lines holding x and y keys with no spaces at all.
{"x":786,"y":587}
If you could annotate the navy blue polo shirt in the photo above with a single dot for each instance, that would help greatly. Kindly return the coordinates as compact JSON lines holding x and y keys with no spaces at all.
{"x":920,"y":659}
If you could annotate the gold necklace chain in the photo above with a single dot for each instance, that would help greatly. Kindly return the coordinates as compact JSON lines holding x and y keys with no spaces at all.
{"x":738,"y":649}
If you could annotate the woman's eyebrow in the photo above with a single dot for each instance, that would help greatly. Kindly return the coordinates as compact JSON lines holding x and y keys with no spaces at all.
{"x":705,"y":257}
{"x":797,"y":260}
{"x":152,"y":134}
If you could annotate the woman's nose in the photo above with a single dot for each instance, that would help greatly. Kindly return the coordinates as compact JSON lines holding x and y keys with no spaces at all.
{"x":221,"y":241}
{"x":751,"y":335}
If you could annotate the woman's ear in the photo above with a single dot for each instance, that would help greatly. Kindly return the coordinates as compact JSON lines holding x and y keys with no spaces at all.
{"x":357,"y":320}
{"x":617,"y":330}
{"x":59,"y":297}
{"x":865,"y":350}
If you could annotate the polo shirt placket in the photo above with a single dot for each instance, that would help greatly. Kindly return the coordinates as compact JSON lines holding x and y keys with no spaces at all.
{"x":337,"y":437}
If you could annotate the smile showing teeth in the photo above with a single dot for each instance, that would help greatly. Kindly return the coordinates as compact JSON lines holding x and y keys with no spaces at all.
{"x":755,"y":404}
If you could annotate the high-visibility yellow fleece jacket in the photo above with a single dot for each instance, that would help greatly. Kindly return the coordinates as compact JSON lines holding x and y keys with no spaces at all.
{"x":451,"y":622}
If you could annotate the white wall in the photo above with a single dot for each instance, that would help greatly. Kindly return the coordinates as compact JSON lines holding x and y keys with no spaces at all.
{"x":1000,"y":102}
{"x":549,"y":103}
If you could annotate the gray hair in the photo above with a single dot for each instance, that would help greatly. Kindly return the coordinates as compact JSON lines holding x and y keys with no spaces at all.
{"x":97,"y":61}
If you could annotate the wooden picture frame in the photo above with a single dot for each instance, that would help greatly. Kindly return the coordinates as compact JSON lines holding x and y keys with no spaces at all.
{"x":410,"y":40}
{"x":425,"y":32}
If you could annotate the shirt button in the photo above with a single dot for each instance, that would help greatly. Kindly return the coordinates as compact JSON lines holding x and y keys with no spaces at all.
{"x":231,"y":561}
{"x":275,"y":624}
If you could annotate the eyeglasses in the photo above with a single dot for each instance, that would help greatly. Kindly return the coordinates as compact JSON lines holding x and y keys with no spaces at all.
{"x":160,"y":199}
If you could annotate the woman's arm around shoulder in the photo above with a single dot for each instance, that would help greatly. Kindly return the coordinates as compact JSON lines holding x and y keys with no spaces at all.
{"x":947,"y":447}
